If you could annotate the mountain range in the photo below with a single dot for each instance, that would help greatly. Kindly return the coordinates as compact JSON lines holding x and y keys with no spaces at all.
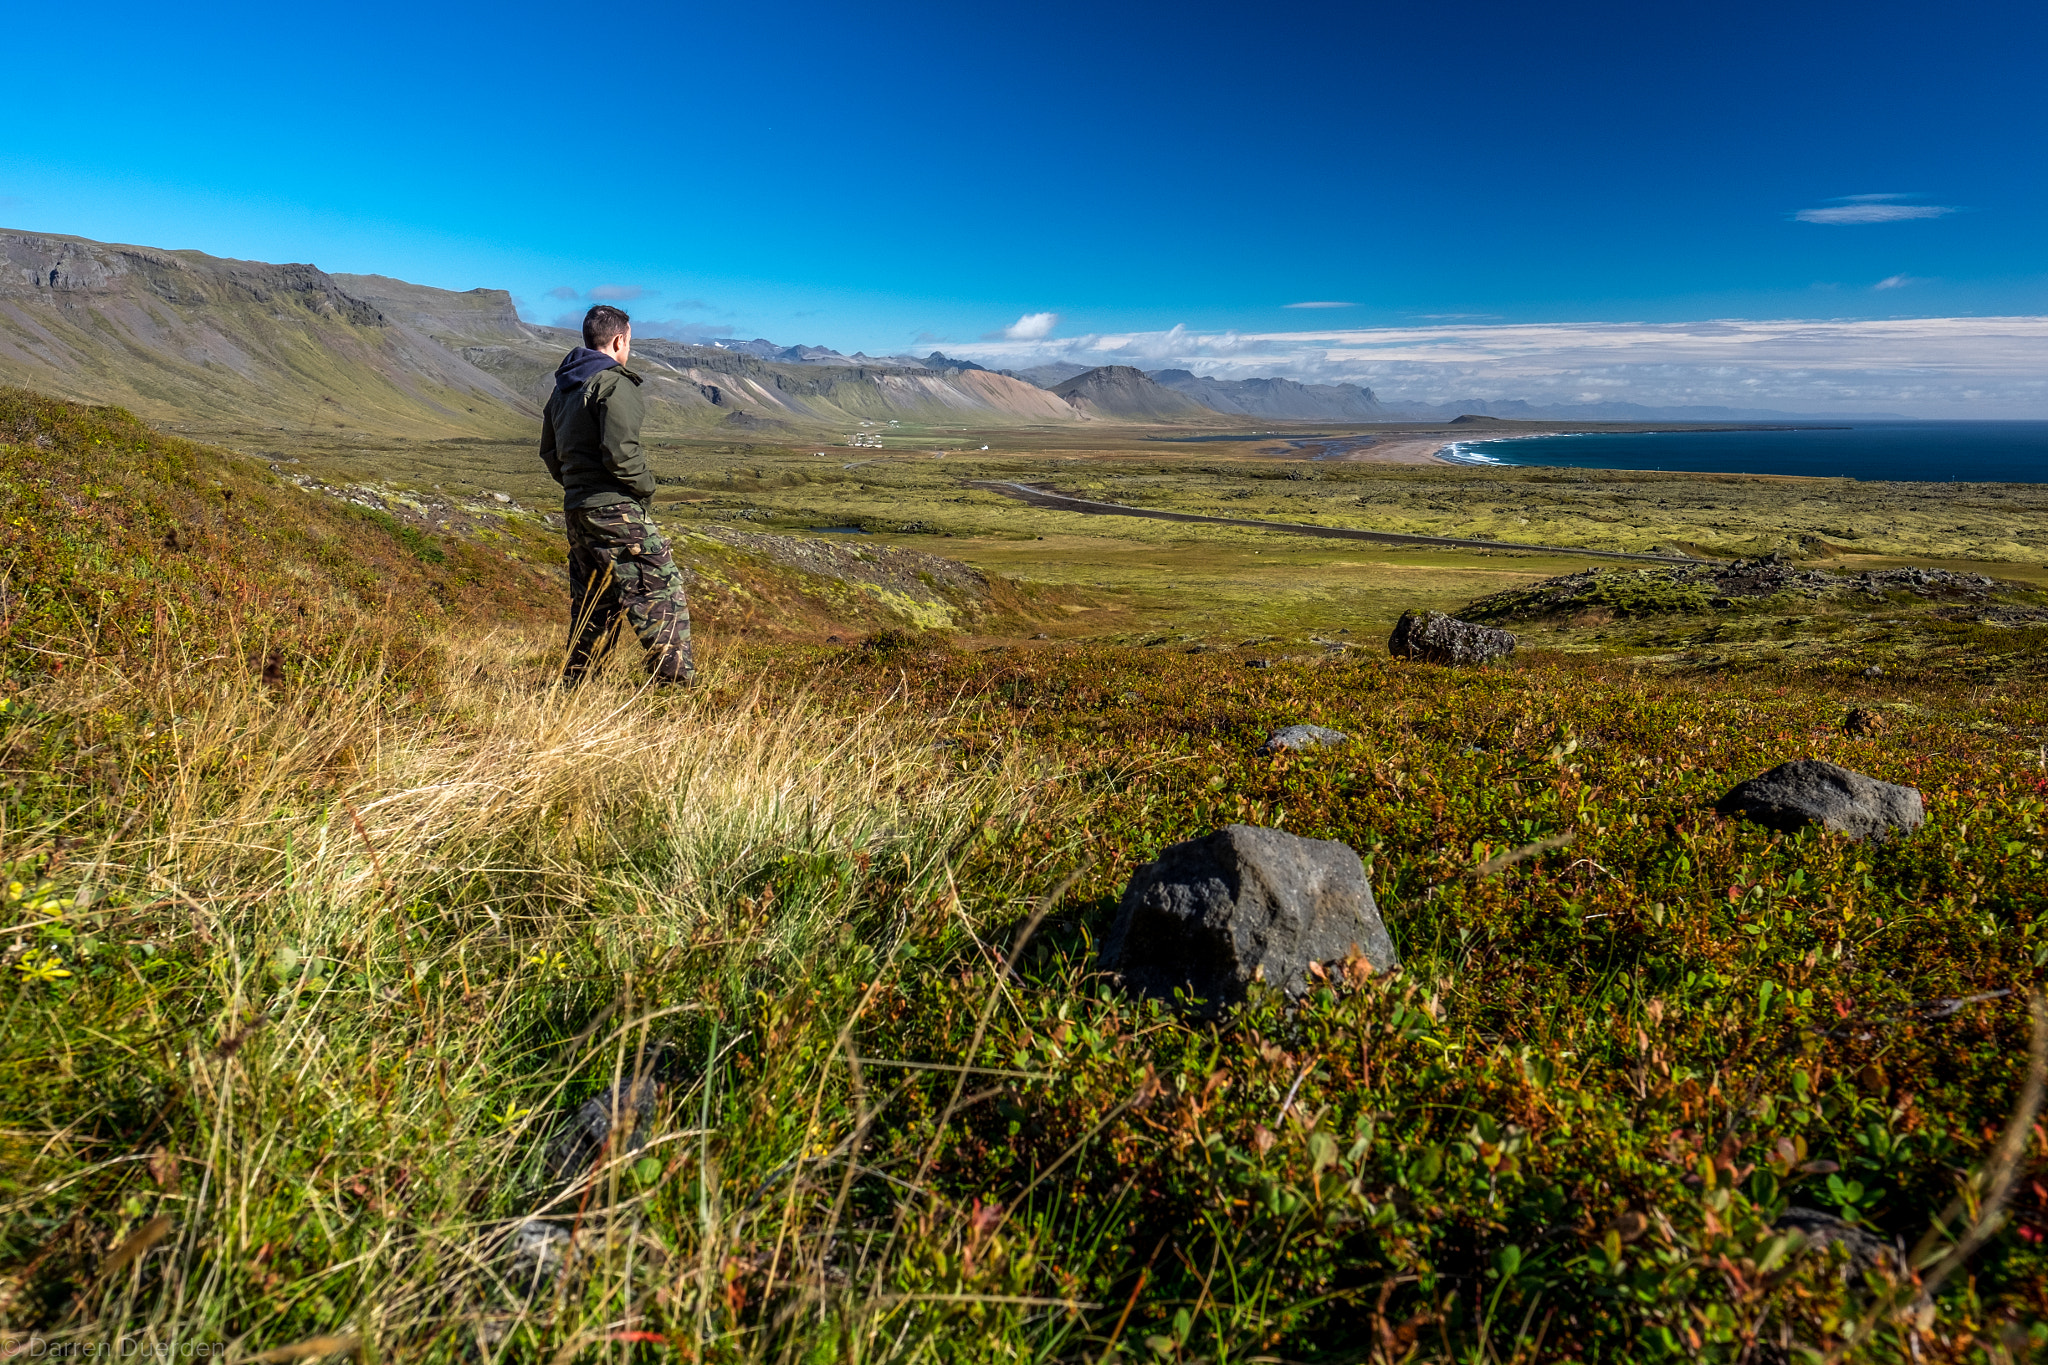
{"x":206,"y":342}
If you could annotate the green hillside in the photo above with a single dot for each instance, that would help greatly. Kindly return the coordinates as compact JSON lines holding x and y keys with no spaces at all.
{"x":214,"y":344}
{"x":327,"y":912}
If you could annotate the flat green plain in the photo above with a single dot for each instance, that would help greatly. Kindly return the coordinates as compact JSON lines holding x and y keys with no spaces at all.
{"x":1130,"y":579}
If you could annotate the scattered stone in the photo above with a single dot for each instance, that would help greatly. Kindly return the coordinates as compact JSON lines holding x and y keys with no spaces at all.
{"x":1305,"y":737}
{"x":1435,"y":638}
{"x":1873,"y":672}
{"x":1041,"y":636}
{"x":1214,"y":914}
{"x":1258,"y":663}
{"x":1809,"y":791}
{"x":1863,"y":721}
{"x":538,"y":1255}
{"x":501,"y":497}
{"x":832,"y":640}
{"x":1866,"y":1250}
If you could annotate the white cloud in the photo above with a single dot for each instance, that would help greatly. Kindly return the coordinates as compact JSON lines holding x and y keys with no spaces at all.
{"x":620,"y":293}
{"x":1971,"y":367}
{"x":1030,"y":327}
{"x":1866,"y":212}
{"x":1897,"y":281}
{"x":1322,"y":303}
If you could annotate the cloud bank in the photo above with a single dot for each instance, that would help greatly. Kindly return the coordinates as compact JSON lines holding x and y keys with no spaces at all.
{"x":1320,"y":303}
{"x":1926,"y":367}
{"x":1030,"y":327}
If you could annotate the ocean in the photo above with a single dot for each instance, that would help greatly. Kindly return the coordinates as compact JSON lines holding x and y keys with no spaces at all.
{"x":1940,"y":452}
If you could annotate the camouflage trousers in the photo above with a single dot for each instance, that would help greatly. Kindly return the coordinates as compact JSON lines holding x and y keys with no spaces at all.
{"x":620,"y":566}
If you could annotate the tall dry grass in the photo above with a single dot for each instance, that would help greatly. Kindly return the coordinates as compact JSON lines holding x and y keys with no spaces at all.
{"x":341,"y":958}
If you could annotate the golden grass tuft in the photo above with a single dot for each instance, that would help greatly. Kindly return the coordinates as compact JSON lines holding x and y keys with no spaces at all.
{"x":343,"y":961}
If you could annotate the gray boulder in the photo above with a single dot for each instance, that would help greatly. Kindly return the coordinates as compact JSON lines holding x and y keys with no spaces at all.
{"x":1434,"y":638}
{"x":1214,"y":914}
{"x":1808,"y":791}
{"x":1305,"y":737}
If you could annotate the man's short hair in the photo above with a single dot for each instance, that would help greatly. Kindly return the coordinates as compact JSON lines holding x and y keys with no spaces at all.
{"x":602,"y":323}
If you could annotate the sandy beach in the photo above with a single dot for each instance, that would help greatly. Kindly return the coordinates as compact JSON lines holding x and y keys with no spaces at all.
{"x":1421,"y":450}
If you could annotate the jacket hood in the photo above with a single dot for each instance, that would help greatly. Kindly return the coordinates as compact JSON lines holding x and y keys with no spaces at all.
{"x":579,"y":365}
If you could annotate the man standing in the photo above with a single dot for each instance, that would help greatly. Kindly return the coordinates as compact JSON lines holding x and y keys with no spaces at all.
{"x":618,"y":561}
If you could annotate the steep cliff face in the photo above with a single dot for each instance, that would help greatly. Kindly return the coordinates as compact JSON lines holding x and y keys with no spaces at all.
{"x":439,"y":312}
{"x":183,"y":337}
{"x":50,"y":269}
{"x":1123,"y":392}
{"x":1281,"y":399}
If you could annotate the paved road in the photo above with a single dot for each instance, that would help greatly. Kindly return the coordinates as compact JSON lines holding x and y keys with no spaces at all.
{"x":1046,"y":497}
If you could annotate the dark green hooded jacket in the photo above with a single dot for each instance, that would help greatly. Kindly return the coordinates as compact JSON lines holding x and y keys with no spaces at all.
{"x":590,"y":433}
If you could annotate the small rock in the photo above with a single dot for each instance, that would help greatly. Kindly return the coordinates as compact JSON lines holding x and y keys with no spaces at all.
{"x":833,"y":640}
{"x":1305,"y":737}
{"x":1873,"y":672}
{"x":1867,"y":1251}
{"x":501,"y":497}
{"x":1041,"y":636}
{"x":539,"y":1251}
{"x":1864,"y":721}
{"x":584,"y":1139}
{"x":1809,"y":791}
{"x":1258,"y":663}
{"x":1435,"y":638}
{"x":1214,"y":914}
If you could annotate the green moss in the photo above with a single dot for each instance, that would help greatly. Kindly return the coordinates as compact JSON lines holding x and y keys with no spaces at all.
{"x":411,"y":537}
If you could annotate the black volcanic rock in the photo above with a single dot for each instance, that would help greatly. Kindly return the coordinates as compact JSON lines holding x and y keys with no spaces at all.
{"x":1214,"y":914}
{"x":1125,"y":392}
{"x":1435,"y":638}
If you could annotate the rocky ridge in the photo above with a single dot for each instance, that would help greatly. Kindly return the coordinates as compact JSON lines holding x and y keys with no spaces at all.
{"x":1744,"y":583}
{"x":1122,"y":391}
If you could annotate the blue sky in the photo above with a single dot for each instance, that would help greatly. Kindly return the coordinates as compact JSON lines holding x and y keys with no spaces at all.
{"x":893,"y":177}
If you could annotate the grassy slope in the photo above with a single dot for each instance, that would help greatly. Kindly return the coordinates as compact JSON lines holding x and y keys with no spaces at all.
{"x":307,"y":968}
{"x":272,"y":364}
{"x":119,"y":540}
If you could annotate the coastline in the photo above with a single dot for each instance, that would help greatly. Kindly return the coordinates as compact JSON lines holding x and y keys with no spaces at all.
{"x":1428,"y":450}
